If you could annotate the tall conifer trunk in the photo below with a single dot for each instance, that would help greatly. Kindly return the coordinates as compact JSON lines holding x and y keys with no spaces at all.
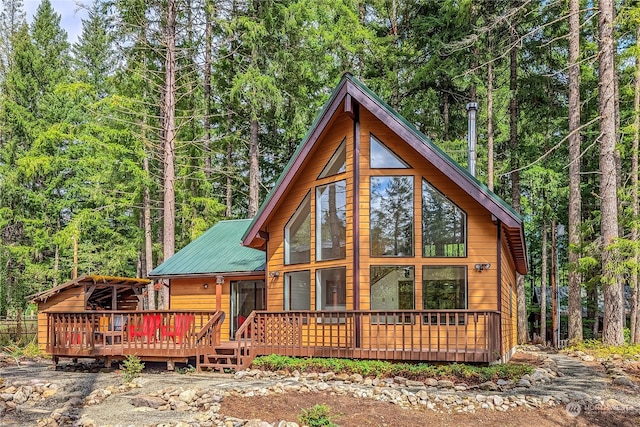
{"x":611,"y":285}
{"x":635,"y":296}
{"x":169,"y":122}
{"x":575,"y":296}
{"x":523,"y":334}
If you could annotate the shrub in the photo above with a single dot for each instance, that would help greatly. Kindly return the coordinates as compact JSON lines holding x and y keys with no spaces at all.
{"x":382,"y":369}
{"x":132,"y":367}
{"x":318,"y":416}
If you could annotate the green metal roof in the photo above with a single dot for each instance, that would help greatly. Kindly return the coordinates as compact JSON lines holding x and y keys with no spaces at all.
{"x":218,"y":250}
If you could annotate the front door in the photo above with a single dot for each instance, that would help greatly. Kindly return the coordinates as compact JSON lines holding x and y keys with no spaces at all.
{"x":246,"y":296}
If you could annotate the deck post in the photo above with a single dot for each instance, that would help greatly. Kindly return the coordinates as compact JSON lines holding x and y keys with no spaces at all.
{"x":171,"y":365}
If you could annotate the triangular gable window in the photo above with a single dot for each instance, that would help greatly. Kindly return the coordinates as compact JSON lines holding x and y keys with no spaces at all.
{"x":338,"y":162}
{"x":383,"y":158}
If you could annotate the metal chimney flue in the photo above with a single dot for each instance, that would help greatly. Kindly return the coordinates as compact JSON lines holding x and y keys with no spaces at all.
{"x":472,"y":109}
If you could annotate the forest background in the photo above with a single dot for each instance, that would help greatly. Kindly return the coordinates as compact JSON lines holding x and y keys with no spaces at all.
{"x":168,"y":115}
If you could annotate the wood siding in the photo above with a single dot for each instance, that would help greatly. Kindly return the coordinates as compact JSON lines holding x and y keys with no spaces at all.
{"x":190,"y":294}
{"x":70,"y":300}
{"x":509,"y":312}
{"x":482,"y":291}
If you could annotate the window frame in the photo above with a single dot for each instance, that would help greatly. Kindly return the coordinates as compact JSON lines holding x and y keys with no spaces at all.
{"x":332,"y":161}
{"x":424,"y":223}
{"x":287,"y":294}
{"x":393,"y":319}
{"x":287,"y":232}
{"x":464,"y":268}
{"x":412,"y":244}
{"x":372,"y":137}
{"x":319,"y":223}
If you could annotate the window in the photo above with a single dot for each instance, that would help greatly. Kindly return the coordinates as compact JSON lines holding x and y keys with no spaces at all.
{"x":444,"y":225}
{"x":331,"y":289}
{"x":392,"y":288}
{"x":444,"y":287}
{"x":338,"y":162}
{"x":391,"y":216}
{"x":381,"y":157}
{"x":331,"y":221}
{"x":297,"y":234}
{"x":297,"y":290}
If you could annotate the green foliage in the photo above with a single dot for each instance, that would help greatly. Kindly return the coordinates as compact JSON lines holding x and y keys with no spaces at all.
{"x":17,"y":351}
{"x":598,"y":349}
{"x":386,"y":369}
{"x":189,"y":369}
{"x":318,"y":416}
{"x":132,"y":366}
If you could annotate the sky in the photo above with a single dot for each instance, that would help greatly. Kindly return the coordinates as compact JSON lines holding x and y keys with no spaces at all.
{"x":71,"y":15}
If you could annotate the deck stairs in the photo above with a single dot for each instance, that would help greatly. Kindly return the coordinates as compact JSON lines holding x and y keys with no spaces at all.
{"x":226,"y":356}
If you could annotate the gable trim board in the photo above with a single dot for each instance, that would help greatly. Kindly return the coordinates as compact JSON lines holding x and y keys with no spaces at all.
{"x":351,"y":93}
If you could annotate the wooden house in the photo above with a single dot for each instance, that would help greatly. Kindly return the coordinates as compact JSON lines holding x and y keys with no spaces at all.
{"x":372,"y":244}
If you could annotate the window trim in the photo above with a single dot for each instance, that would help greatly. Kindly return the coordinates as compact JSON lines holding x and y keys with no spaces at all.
{"x":318,"y":225}
{"x":413,"y":222}
{"x":466,"y":222}
{"x":286,"y":303}
{"x":287,"y":233}
{"x":399,"y":158}
{"x":333,"y":159}
{"x":466,"y":286}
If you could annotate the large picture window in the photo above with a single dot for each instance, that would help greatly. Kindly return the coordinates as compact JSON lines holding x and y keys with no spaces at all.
{"x":444,"y":225}
{"x":297,"y":290}
{"x":392,"y":287}
{"x":297,"y":234}
{"x":444,"y":287}
{"x":331,"y":289}
{"x":391,"y":216}
{"x":331,"y":221}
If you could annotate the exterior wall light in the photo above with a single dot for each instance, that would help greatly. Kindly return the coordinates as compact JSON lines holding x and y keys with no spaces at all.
{"x":482,"y":267}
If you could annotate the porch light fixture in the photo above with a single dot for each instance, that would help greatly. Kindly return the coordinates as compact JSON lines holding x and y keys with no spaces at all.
{"x":220,"y":280}
{"x":206,"y":285}
{"x":482,"y":267}
{"x":274,"y":274}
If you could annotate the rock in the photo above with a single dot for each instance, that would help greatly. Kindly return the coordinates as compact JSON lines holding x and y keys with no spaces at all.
{"x":187,"y":396}
{"x":524,"y":383}
{"x":502,"y":382}
{"x":50,"y":392}
{"x":182,"y":424}
{"x":149,"y":401}
{"x":179,"y":405}
{"x":74,"y":402}
{"x":588,"y":358}
{"x":20,"y":396}
{"x":431,"y":382}
{"x":488,"y":385}
{"x":356,"y":378}
{"x":498,"y":401}
{"x":445,"y":384}
{"x":624,"y":381}
{"x":411,"y":383}
{"x":6,"y":397}
{"x":481,"y":398}
{"x":257,"y":423}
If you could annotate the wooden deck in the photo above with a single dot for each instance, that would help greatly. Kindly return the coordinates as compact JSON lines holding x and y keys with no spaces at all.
{"x":408,"y":335}
{"x":151,"y":335}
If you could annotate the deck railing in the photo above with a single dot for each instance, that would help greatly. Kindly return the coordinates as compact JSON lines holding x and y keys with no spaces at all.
{"x":118,"y":333}
{"x":444,"y":335}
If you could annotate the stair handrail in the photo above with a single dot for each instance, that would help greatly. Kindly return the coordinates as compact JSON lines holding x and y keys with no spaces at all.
{"x":245,"y":334}
{"x":218,"y":317}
